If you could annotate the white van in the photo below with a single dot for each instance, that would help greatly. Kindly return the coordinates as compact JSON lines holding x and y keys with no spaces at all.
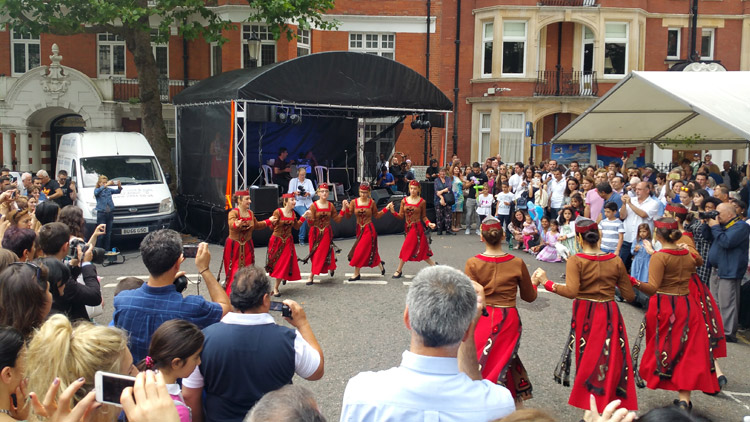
{"x":145,"y":203}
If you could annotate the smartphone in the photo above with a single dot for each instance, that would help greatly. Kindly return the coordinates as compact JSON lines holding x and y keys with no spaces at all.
{"x":109,"y":386}
{"x":189,"y":251}
{"x":279,"y":306}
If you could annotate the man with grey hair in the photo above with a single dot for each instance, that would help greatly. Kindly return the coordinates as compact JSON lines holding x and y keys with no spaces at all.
{"x":290,"y":403}
{"x":50,"y":187}
{"x":247,"y":354}
{"x":26,"y":184}
{"x":438,"y":378}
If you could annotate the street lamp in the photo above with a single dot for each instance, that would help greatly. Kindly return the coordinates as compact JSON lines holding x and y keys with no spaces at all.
{"x":253,"y":49}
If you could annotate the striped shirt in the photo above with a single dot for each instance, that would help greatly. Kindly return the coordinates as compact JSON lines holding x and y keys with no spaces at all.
{"x":611,"y":230}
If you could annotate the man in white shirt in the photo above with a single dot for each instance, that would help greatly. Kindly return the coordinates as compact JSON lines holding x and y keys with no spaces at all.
{"x":634,"y":212}
{"x":303,"y":190}
{"x":515,"y":180}
{"x":438,"y":378}
{"x":247,"y":355}
{"x":556,"y":189}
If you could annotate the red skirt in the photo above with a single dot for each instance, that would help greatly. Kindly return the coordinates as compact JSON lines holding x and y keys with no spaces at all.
{"x":603,"y":364}
{"x":322,"y":254}
{"x":415,"y":248}
{"x":281,"y":261}
{"x":497,"y":338}
{"x":715,"y":325}
{"x":677,"y":355}
{"x":364,"y":252}
{"x":236,"y":256}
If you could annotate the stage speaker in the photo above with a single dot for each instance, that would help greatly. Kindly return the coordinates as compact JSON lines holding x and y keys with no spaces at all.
{"x":380,"y":196}
{"x":436,"y":119}
{"x":259,"y":113}
{"x":428,"y":192}
{"x":264,"y":199}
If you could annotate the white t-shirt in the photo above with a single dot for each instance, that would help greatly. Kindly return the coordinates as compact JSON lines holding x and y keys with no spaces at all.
{"x":484,"y":204}
{"x":502,"y":198}
{"x":556,"y":192}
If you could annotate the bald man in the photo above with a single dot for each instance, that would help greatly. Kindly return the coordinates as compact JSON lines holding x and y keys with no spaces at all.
{"x":728,"y":257}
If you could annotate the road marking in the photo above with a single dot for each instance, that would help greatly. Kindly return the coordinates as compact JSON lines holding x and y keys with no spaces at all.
{"x":732,"y":396}
{"x":366,"y":282}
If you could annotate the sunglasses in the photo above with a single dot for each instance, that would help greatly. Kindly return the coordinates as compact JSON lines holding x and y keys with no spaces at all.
{"x":37,"y":272}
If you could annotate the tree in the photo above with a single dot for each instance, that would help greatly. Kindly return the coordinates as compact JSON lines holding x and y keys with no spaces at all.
{"x":130,"y":20}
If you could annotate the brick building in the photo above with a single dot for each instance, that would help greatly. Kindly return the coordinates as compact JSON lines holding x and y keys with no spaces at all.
{"x":511,"y":54}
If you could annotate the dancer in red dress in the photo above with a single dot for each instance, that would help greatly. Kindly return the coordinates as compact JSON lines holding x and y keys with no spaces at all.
{"x":498,"y":335}
{"x":678,"y":352}
{"x":322,"y":251}
{"x":364,"y":252}
{"x":281,"y":261}
{"x":597,"y":331}
{"x":239,"y":250}
{"x":414,"y":211}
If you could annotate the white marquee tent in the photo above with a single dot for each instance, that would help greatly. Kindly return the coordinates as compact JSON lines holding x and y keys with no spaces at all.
{"x":672,"y":110}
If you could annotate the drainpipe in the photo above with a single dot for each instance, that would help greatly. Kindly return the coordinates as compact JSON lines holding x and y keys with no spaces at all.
{"x":693,"y":55}
{"x":559,"y":52}
{"x":427,"y":70}
{"x":185,"y":60}
{"x":455,"y":77}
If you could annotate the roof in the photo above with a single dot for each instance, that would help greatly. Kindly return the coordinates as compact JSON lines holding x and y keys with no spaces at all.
{"x":672,"y":109}
{"x":338,"y":80}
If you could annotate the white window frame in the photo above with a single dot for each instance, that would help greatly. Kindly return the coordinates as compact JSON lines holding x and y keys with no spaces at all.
{"x":213,"y":57}
{"x":486,"y":40}
{"x":616,"y":41}
{"x":523,"y":39}
{"x":26,"y":42}
{"x":679,"y":43}
{"x":712,"y":32}
{"x":155,"y":46}
{"x":481,"y":155}
{"x":111,"y":44}
{"x":358,"y":42}
{"x":507,"y":152}
{"x":303,"y":41}
{"x":266,"y":38}
{"x":584,"y":42}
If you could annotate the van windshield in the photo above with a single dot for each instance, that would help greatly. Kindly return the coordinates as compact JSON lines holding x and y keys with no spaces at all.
{"x":128,"y":170}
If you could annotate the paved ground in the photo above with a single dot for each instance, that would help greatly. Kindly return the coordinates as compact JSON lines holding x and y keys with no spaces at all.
{"x":360,"y":328}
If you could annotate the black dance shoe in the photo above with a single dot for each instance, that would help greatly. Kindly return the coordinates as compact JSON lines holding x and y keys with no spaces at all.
{"x":397,"y":274}
{"x":382,"y":267}
{"x":355,"y":278}
{"x":682,"y":404}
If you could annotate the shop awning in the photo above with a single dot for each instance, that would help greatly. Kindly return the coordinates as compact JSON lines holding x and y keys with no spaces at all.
{"x":675,"y":110}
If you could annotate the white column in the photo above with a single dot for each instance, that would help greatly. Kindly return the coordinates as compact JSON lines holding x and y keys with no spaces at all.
{"x":18,"y":151}
{"x":36,"y":150}
{"x":7,"y":153}
{"x":45,"y":154}
{"x":23,"y":157}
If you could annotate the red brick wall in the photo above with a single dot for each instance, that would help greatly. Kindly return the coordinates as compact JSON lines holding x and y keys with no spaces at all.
{"x":5,"y":68}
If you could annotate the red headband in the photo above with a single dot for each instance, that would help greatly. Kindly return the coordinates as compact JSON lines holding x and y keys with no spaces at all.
{"x":364,"y":187}
{"x":677,"y":210}
{"x":664,"y":225}
{"x":242,"y":193}
{"x":584,"y":229}
{"x":323,"y":186}
{"x":414,"y":183}
{"x":490,"y":226}
{"x":287,"y":195}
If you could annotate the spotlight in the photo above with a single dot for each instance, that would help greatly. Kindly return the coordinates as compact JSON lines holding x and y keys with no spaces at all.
{"x":282,"y":116}
{"x":420,"y":122}
{"x":295,"y":119}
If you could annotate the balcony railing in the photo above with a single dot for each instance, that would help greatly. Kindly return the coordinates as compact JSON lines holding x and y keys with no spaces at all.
{"x":567,"y":3}
{"x":568,"y":84}
{"x":128,"y":90}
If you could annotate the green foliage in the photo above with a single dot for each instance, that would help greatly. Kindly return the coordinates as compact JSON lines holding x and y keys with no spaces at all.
{"x":683,"y":141}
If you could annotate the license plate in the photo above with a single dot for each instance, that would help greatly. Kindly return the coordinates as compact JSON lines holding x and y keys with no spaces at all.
{"x":135,"y":230}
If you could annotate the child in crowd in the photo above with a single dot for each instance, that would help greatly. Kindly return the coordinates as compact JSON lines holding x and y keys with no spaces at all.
{"x":612,"y":230}
{"x":529,"y":232}
{"x":549,"y":253}
{"x":484,"y":204}
{"x":175,"y":351}
{"x":567,"y":237}
{"x":543,"y":229}
{"x":642,"y":251}
{"x":504,"y":201}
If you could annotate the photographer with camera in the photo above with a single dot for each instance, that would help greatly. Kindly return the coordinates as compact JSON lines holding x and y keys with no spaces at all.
{"x":141,"y":311}
{"x":247,"y":354}
{"x":69,"y":297}
{"x":303,"y":190}
{"x":728,"y":256}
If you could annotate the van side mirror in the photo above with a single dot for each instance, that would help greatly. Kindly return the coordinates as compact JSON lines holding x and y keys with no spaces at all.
{"x":168,"y":177}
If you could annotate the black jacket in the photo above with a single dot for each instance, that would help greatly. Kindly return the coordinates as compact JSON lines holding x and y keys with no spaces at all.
{"x":76,"y":296}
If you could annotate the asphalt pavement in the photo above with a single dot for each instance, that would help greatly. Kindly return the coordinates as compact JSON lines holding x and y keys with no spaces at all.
{"x":360,"y":326}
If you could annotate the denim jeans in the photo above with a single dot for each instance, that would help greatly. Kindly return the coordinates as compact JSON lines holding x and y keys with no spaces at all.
{"x":300,"y":209}
{"x":103,"y":217}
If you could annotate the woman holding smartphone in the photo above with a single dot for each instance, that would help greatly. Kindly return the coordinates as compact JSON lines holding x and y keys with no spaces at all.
{"x":105,"y":208}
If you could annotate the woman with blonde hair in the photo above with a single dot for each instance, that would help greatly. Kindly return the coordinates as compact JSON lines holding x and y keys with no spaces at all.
{"x":105,"y":207}
{"x":20,"y":218}
{"x":79,"y":351}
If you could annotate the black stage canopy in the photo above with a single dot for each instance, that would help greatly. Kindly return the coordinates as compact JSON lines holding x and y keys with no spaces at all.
{"x":356,"y":84}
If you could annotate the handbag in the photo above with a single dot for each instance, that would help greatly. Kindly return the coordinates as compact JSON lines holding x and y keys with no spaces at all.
{"x":449,"y":198}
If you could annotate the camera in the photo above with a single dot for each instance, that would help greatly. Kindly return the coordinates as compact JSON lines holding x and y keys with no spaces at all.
{"x":180,"y":283}
{"x":301,"y":191}
{"x":286,"y":311}
{"x":708,"y":215}
{"x":98,"y":253}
